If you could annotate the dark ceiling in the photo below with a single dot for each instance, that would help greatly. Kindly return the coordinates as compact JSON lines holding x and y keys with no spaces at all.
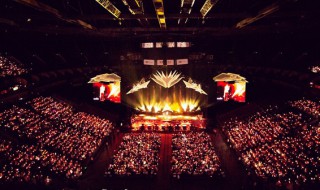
{"x":69,"y":33}
{"x":87,"y":17}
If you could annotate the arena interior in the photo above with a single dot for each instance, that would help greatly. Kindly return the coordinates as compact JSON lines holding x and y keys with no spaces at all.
{"x":160,"y":94}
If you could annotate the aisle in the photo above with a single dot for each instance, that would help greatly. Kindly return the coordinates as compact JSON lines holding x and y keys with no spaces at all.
{"x":235,"y":173}
{"x":94,"y":176}
{"x":164,"y":175}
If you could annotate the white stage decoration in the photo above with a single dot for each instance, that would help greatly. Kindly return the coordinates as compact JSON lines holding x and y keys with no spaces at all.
{"x":140,"y":85}
{"x":167,"y":80}
{"x":194,"y":86}
{"x":105,"y":78}
{"x":226,"y":77}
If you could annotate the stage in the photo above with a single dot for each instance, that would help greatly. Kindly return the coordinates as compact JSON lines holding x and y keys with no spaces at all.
{"x":167,"y":121}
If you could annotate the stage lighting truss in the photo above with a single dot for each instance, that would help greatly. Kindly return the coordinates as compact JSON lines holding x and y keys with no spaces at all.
{"x":134,"y":6}
{"x":159,"y":8}
{"x":167,"y":80}
{"x":185,"y":8}
{"x":109,"y":7}
{"x":263,"y":13}
{"x":207,"y":6}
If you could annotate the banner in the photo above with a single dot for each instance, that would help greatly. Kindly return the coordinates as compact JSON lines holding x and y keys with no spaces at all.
{"x":182,"y":61}
{"x":148,"y":62}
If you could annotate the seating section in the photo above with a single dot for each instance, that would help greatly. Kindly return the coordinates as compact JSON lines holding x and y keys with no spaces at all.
{"x":308,"y":106}
{"x":10,"y":68}
{"x":291,"y":159}
{"x":260,"y":128}
{"x":41,"y":142}
{"x":283,"y":147}
{"x":138,"y":155}
{"x":193,"y":154}
{"x":32,"y":163}
{"x":51,"y":108}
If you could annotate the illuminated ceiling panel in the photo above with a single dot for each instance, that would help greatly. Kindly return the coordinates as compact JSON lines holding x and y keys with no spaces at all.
{"x":110,"y":7}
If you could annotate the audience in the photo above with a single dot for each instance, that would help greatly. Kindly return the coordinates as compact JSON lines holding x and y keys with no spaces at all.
{"x":193,"y":154}
{"x":308,"y":106}
{"x":30,"y":163}
{"x":51,"y":108}
{"x":279,"y":146}
{"x":138,"y":154}
{"x":291,"y":159}
{"x":261,"y":128}
{"x":60,"y":143}
{"x":10,"y":68}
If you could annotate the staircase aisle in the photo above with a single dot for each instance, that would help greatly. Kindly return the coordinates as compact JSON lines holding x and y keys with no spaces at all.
{"x":164,"y":175}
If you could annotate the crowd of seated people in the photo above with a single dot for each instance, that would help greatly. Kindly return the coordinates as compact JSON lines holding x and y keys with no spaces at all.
{"x":308,"y":106}
{"x":93,"y":125}
{"x":23,"y":122}
{"x":260,"y":128}
{"x":291,"y":159}
{"x":10,"y":68}
{"x":32,"y":163}
{"x":65,"y":113}
{"x":193,"y":154}
{"x":63,"y":147}
{"x":283,"y":147}
{"x":52,"y":108}
{"x":77,"y":145}
{"x":138,"y":155}
{"x":79,"y":132}
{"x":65,"y":139}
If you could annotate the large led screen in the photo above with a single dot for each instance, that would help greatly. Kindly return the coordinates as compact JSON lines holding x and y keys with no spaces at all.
{"x":235,"y":91}
{"x":107,"y":91}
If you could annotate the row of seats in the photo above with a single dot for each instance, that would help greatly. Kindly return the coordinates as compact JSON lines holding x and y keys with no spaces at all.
{"x":48,"y":142}
{"x":291,"y":159}
{"x":279,"y":145}
{"x":308,"y":106}
{"x":260,"y":128}
{"x":10,"y":68}
{"x":137,"y":155}
{"x":193,"y":154}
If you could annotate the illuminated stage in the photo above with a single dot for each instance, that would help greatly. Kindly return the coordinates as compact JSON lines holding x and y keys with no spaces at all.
{"x":167,"y":101}
{"x":167,"y":122}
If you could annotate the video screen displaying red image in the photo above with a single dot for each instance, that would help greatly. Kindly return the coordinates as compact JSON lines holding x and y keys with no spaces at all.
{"x":235,"y":91}
{"x":110,"y":91}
